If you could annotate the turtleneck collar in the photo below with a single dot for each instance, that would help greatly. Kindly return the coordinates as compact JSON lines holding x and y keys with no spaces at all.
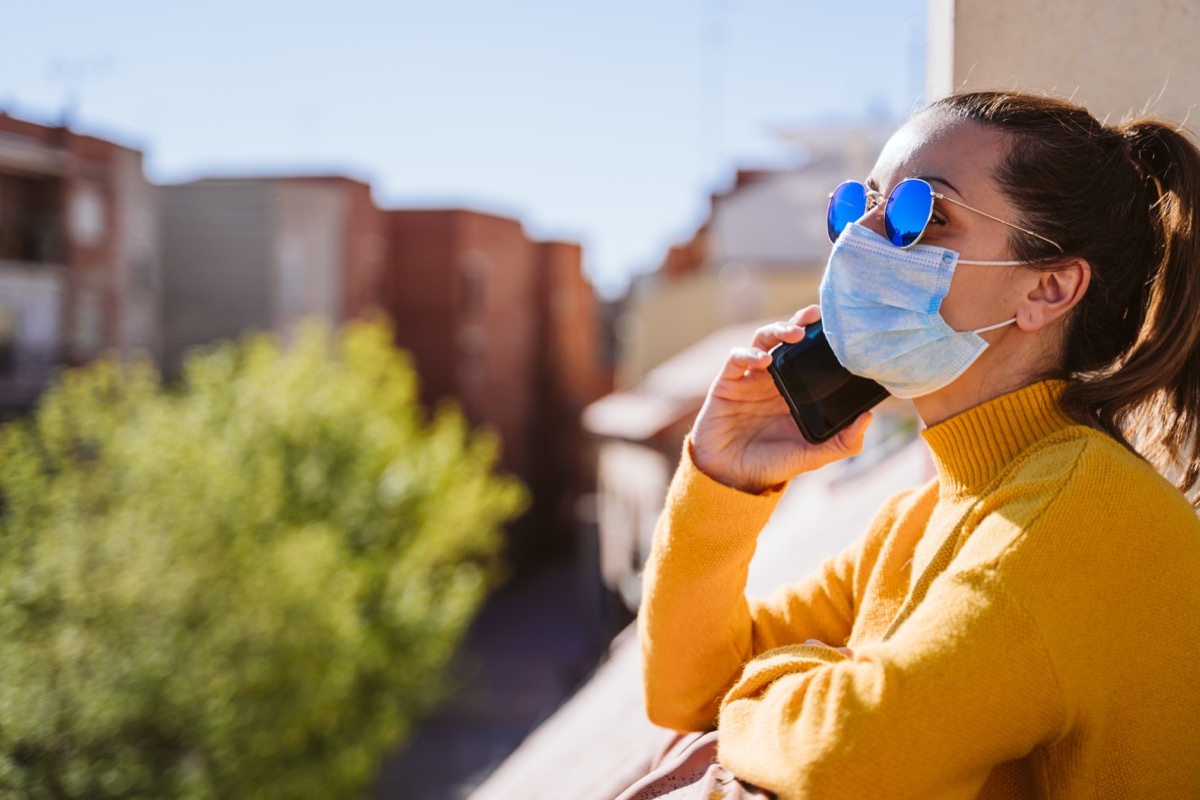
{"x":971,"y":448}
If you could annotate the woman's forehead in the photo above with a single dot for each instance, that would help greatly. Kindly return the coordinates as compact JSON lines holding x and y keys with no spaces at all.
{"x":936,"y":144}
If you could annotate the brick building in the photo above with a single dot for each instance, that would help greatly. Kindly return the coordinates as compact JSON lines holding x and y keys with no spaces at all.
{"x":79,"y":255}
{"x":511,"y":329}
{"x":507,"y":327}
{"x":573,"y":374}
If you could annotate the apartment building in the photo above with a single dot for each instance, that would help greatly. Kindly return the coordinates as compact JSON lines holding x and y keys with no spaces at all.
{"x":80,"y":263}
{"x":263,"y":254}
{"x":510,"y":329}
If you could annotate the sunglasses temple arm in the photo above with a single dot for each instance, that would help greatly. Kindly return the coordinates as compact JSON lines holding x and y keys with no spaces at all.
{"x":940,"y":196}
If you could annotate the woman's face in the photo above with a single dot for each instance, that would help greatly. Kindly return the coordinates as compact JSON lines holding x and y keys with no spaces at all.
{"x":958,"y":158}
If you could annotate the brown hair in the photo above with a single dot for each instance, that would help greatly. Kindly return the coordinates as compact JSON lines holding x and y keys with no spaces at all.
{"x":1125,"y":199}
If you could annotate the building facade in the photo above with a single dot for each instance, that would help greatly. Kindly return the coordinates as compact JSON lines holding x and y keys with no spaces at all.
{"x":80,"y":263}
{"x":264,"y":254}
{"x":1117,"y":59}
{"x":510,"y":329}
{"x":759,"y":255}
{"x":95,"y":259}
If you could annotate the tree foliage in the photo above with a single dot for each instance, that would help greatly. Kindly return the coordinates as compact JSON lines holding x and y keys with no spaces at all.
{"x":245,"y":587}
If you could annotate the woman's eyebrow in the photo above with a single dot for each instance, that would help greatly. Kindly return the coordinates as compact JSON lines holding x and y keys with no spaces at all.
{"x":943,"y":181}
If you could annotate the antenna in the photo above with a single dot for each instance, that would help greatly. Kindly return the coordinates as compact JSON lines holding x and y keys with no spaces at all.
{"x":73,"y":73}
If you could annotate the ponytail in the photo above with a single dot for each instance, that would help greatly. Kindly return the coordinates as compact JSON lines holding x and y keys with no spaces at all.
{"x":1125,"y":199}
{"x":1152,"y":394}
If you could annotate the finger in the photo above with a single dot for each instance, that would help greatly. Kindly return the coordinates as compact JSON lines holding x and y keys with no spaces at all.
{"x":742,"y":359}
{"x":847,"y":443}
{"x":768,"y":336}
{"x":806,"y":316}
{"x":851,"y":439}
{"x":846,"y":651}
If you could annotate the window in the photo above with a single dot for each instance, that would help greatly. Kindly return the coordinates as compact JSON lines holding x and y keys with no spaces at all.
{"x":472,"y":287}
{"x":8,"y":339}
{"x":29,"y":223}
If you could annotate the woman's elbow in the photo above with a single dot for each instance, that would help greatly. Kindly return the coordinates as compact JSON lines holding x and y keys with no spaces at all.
{"x":678,"y":714}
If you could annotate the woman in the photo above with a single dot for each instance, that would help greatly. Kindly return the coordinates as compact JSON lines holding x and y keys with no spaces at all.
{"x":1027,"y":624}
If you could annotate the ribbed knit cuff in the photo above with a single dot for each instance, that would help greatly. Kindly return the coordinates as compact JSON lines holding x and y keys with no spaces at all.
{"x":729,"y":504}
{"x":768,"y":667}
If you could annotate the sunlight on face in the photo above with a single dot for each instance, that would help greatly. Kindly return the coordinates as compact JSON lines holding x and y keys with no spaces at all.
{"x":958,"y":158}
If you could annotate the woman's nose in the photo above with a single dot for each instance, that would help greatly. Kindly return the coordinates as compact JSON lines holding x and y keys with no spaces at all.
{"x":873,"y":220}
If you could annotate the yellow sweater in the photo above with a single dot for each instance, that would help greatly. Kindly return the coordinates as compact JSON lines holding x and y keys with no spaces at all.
{"x":1026,"y":625}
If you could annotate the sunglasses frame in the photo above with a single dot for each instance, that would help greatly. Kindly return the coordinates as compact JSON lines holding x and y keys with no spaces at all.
{"x":935,"y":195}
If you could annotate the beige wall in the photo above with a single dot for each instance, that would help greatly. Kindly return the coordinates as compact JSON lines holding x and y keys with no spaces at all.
{"x":665,"y":316}
{"x":1116,"y":57}
{"x":309,"y":230}
{"x":249,"y":255}
{"x":139,"y":258}
{"x":216,"y":241}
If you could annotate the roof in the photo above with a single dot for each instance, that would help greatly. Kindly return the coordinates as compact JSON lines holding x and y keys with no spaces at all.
{"x":272,"y":178}
{"x":667,"y":393}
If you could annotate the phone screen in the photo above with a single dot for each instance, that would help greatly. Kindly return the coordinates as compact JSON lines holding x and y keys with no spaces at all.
{"x":824,"y":396}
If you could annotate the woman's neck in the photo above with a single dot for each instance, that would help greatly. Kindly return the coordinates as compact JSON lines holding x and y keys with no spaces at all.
{"x":1000,"y":370}
{"x":961,"y":395}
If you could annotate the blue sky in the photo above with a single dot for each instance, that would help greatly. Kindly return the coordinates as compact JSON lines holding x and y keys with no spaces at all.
{"x":605,"y":123}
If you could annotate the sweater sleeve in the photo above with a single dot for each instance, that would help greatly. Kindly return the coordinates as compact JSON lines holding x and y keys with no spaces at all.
{"x":697,"y":628}
{"x":964,"y":684}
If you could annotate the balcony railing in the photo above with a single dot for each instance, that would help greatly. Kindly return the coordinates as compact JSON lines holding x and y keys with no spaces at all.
{"x":38,"y":242}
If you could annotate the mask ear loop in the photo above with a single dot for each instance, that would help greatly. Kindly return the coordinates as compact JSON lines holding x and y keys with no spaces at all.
{"x":993,"y":264}
{"x":994,"y":327}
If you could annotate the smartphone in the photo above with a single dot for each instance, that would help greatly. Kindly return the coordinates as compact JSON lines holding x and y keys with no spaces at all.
{"x":824,"y":396}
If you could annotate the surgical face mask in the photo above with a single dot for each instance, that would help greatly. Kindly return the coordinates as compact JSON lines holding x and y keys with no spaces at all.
{"x":879,"y":309}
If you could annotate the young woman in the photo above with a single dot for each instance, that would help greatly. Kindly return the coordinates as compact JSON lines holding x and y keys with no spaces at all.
{"x":1028,"y":623}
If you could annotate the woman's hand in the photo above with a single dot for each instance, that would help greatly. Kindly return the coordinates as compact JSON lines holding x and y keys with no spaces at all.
{"x":744,"y":436}
{"x":846,"y":651}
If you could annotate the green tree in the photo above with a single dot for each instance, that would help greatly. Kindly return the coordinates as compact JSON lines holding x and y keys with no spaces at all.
{"x":245,"y":587}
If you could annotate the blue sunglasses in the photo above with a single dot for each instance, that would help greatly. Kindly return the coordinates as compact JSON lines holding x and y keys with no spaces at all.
{"x":906,"y":213}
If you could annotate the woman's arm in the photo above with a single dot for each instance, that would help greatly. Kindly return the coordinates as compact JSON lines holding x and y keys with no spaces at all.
{"x":696,"y":625}
{"x":744,"y":447}
{"x":965,"y":684}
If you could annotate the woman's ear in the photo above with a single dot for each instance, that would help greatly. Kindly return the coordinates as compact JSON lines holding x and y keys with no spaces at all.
{"x":1052,"y":294}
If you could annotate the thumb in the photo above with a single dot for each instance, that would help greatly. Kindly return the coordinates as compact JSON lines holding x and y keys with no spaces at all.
{"x":850,"y":440}
{"x":847,"y":443}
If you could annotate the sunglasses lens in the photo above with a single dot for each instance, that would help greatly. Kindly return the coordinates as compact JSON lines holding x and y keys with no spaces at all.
{"x":908,"y":209}
{"x":848,"y":204}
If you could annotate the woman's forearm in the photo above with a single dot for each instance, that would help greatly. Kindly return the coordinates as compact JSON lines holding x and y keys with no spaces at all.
{"x":695,"y":627}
